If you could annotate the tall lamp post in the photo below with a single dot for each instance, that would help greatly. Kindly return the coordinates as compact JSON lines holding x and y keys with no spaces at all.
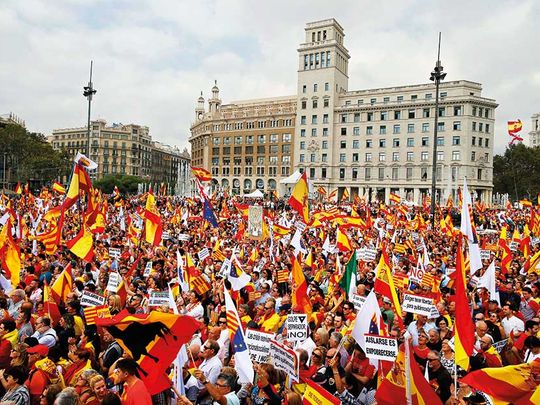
{"x":437,"y":75}
{"x":89,"y":91}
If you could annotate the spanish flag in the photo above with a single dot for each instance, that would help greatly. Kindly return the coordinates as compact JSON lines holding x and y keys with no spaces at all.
{"x":394,"y":198}
{"x":10,"y":255}
{"x":510,"y":384}
{"x":315,"y":395}
{"x":82,"y":245}
{"x":464,"y":327}
{"x":201,"y":174}
{"x":153,"y":226}
{"x":299,"y":198}
{"x":300,"y":299}
{"x":384,"y":284}
{"x":51,"y":307}
{"x":63,"y":285}
{"x":60,"y":189}
{"x":506,"y":258}
{"x":18,"y":189}
{"x":406,"y":374}
{"x":514,"y":127}
{"x":152,"y":340}
{"x":343,"y":244}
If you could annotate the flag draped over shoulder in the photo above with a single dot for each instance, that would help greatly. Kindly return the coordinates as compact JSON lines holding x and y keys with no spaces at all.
{"x":153,"y":341}
{"x":463,"y":328}
{"x":299,"y":198}
{"x":244,"y":366}
{"x":510,"y":384}
{"x":393,"y":389}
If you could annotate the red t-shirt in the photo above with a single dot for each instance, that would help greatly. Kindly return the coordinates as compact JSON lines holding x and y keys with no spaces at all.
{"x":136,"y":394}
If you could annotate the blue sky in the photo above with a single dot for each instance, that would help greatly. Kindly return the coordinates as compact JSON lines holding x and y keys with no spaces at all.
{"x":153,"y":57}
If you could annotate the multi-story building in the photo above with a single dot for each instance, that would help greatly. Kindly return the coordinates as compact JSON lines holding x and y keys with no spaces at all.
{"x":370,"y":142}
{"x":246,"y":145}
{"x":170,"y":166}
{"x":124,"y":149}
{"x":534,"y":135}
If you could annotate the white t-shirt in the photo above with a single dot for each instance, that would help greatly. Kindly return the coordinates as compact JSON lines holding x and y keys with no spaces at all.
{"x":510,"y":323}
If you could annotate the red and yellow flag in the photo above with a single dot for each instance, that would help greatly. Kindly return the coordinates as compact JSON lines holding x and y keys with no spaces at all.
{"x":63,"y":285}
{"x":300,"y":298}
{"x":343,"y":242}
{"x":464,"y":327}
{"x":153,"y":226}
{"x":395,"y":198}
{"x":299,"y":198}
{"x":18,"y":189}
{"x":316,"y":395}
{"x":82,"y":245}
{"x":201,"y":174}
{"x":384,"y":284}
{"x":10,"y":255}
{"x":58,"y":188}
{"x":96,"y":312}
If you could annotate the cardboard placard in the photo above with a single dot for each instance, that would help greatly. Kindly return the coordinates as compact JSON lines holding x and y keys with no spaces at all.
{"x":485,"y":254}
{"x":258,"y":343}
{"x":381,"y":347}
{"x":297,"y":327}
{"x":203,"y":253}
{"x":114,"y":253}
{"x":370,"y":255}
{"x":284,"y":359}
{"x":358,"y":301}
{"x":183,"y":237}
{"x":416,"y":274}
{"x":90,"y":299}
{"x":158,"y":298}
{"x":114,"y":282}
{"x":417,"y":305}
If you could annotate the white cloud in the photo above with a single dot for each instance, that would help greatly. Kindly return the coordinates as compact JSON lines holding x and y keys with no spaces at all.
{"x":153,"y":57}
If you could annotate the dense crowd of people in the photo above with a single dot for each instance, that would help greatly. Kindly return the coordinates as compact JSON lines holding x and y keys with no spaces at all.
{"x":44,"y":360}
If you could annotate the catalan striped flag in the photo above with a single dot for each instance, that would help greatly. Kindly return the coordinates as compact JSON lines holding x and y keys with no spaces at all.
{"x":200,"y":284}
{"x":321,"y":190}
{"x":93,"y":313}
{"x":400,"y":280}
{"x":282,"y":276}
{"x":244,"y":366}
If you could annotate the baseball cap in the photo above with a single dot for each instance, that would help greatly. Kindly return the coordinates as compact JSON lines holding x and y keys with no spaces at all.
{"x":43,"y":350}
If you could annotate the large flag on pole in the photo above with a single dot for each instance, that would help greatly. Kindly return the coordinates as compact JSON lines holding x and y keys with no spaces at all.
{"x":244,"y":366}
{"x":299,"y":198}
{"x":299,"y":296}
{"x":467,"y":229}
{"x":384,"y":284}
{"x":153,"y":226}
{"x":463,"y":327}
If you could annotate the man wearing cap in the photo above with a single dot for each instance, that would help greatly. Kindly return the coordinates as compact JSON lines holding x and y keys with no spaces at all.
{"x":38,"y":379}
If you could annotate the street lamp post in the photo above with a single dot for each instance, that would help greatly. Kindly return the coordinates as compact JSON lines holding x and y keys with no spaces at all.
{"x":89,"y":91}
{"x":4,"y":174}
{"x":437,"y":75}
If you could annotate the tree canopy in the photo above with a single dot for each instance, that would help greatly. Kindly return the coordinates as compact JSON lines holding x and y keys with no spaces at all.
{"x":126,"y":184}
{"x":517,"y":172}
{"x":30,"y":158}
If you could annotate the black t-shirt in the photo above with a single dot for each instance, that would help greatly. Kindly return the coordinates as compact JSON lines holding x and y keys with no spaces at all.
{"x":325,"y":378}
{"x":442,"y":380}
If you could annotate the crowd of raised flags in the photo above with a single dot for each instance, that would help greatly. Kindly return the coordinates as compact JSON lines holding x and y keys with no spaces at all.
{"x":161,"y":299}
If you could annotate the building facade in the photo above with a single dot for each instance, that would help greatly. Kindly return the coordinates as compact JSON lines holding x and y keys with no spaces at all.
{"x":124,"y":150}
{"x":370,"y":142}
{"x":534,"y":135}
{"x":246,"y":145}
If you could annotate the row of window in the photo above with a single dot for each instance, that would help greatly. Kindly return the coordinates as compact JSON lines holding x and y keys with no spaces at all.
{"x":368,"y":157}
{"x":249,"y":139}
{"x":248,"y":171}
{"x":288,"y":122}
{"x":249,"y":150}
{"x":248,"y":161}
{"x":394,"y":173}
{"x":317,"y":60}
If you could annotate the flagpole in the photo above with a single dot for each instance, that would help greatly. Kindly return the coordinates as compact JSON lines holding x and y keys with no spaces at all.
{"x":455,"y":378}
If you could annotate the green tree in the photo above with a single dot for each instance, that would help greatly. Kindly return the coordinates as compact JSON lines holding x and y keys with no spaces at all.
{"x":517,"y":172}
{"x":126,"y":184}
{"x":30,"y":158}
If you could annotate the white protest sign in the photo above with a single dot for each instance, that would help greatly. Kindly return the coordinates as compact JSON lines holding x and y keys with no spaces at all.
{"x":258,"y":344}
{"x":434,"y":312}
{"x":297,"y":327}
{"x":114,"y":282}
{"x":114,"y":253}
{"x":183,"y":237}
{"x":417,"y":305}
{"x":485,"y":254}
{"x":370,"y":255}
{"x":358,"y":301}
{"x":90,"y":299}
{"x":147,"y":269}
{"x":381,"y":347}
{"x":300,"y":226}
{"x":165,"y":236}
{"x":158,"y":298}
{"x":284,"y":359}
{"x":499,"y":346}
{"x":203,"y":253}
{"x":514,"y":245}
